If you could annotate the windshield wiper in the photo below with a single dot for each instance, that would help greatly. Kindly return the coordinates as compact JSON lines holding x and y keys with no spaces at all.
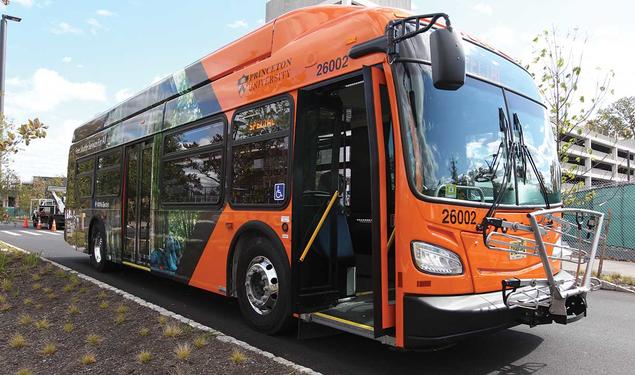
{"x":525,"y":154}
{"x":508,"y":144}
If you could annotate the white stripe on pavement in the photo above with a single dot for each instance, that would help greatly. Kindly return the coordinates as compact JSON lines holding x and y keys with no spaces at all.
{"x":31,"y":233}
{"x":49,"y":232}
{"x":11,"y":233}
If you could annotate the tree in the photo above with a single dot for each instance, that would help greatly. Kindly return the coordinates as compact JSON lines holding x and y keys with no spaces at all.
{"x":557,"y":65}
{"x":13,"y":137}
{"x":617,"y":120}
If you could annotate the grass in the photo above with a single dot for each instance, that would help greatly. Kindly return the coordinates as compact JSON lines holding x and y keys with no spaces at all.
{"x":104,"y":304}
{"x":119,"y":319}
{"x":73,"y":309}
{"x":162,"y":320}
{"x":47,"y":290}
{"x":74,"y":280}
{"x":144,"y":356}
{"x":24,"y":371}
{"x":6,"y":285}
{"x":4,"y":259}
{"x":51,"y":296}
{"x":36,"y":286}
{"x":61,"y":274}
{"x":172,"y":330}
{"x":17,"y":341}
{"x":183,"y":351}
{"x":49,"y":349}
{"x":31,"y":260}
{"x":238,"y":357}
{"x":94,"y":339}
{"x":5,"y":307}
{"x":3,"y":299}
{"x":27,"y":301}
{"x":102,"y":294}
{"x":68,"y":288}
{"x":68,"y":327}
{"x":200,"y":341}
{"x":122,"y":309}
{"x":43,"y":324}
{"x":88,"y":359}
{"x":25,"y":319}
{"x":36,"y":277}
{"x":144,"y":332}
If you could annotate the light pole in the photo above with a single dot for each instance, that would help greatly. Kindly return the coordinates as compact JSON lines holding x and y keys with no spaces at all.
{"x":3,"y":55}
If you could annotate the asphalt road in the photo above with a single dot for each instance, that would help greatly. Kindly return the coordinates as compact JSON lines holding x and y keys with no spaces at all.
{"x":602,"y":343}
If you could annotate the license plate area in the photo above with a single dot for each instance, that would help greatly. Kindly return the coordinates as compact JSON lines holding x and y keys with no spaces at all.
{"x":517,"y":250}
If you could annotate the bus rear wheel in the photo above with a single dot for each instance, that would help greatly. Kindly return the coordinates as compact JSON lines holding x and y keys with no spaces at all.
{"x":97,"y":249}
{"x":263,"y":286}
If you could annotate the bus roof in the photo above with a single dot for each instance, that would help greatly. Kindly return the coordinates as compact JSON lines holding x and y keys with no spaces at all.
{"x":250,"y":49}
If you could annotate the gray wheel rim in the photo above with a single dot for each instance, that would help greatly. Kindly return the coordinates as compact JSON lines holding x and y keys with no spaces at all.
{"x":261,"y":285}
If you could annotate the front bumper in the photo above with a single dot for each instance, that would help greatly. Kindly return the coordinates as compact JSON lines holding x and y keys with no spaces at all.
{"x":440,"y":320}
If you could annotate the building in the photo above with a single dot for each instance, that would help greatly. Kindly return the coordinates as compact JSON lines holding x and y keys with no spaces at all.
{"x":277,"y":8}
{"x":598,"y":160}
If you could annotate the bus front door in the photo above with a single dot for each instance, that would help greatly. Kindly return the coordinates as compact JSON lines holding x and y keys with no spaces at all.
{"x":137,"y":188}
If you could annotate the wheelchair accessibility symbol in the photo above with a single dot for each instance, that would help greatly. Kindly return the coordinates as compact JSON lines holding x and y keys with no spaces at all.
{"x":278,"y":192}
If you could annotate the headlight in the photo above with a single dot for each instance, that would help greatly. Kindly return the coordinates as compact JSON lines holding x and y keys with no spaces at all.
{"x":436,"y":260}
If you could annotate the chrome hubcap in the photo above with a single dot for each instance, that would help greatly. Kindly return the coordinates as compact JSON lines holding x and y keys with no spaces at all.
{"x":97,"y":249}
{"x":261,"y":285}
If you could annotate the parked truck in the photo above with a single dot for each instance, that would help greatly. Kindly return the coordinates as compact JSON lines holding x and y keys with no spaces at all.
{"x":47,"y":210}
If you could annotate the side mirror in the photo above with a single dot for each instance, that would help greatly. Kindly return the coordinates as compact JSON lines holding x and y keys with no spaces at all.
{"x":448,"y":59}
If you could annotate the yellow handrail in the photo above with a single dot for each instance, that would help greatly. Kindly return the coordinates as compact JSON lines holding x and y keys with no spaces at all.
{"x":391,"y":240}
{"x":319,"y":226}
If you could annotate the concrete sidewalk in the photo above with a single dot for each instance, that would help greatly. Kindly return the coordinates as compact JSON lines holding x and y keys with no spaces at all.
{"x":609,"y":266}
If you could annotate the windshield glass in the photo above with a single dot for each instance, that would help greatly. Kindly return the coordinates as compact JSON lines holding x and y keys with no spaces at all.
{"x":454,"y":145}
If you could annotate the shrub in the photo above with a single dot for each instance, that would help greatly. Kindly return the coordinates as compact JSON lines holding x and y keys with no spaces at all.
{"x":25,"y":319}
{"x":47,"y":290}
{"x":119,"y":319}
{"x":3,"y":299}
{"x":36,"y":286}
{"x":68,"y":327}
{"x":104,"y":305}
{"x":31,"y":260}
{"x":68,"y":288}
{"x":88,"y":359}
{"x":27,"y":301}
{"x":200,"y":342}
{"x":144,"y":331}
{"x":73,"y":309}
{"x":51,"y":296}
{"x":43,"y":324}
{"x":172,"y":330}
{"x":238,"y":357}
{"x":94,"y":339}
{"x":5,"y":307}
{"x":6,"y":285}
{"x":183,"y":351}
{"x":102,"y":294}
{"x":162,"y":320}
{"x":36,"y":277}
{"x":17,"y":341}
{"x":24,"y":371}
{"x":49,"y":349}
{"x":4,"y":259}
{"x":121,"y":309}
{"x":144,"y":356}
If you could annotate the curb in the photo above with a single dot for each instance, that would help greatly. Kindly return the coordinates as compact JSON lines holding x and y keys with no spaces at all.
{"x":217,"y":334}
{"x":616,"y":288}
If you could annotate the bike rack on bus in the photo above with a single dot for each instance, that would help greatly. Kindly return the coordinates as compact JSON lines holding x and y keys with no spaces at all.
{"x":577,"y":233}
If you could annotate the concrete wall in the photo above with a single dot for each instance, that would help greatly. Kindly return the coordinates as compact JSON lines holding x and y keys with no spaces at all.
{"x":277,"y":8}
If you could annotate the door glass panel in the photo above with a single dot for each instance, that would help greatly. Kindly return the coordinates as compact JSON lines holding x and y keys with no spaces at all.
{"x":132,"y":183}
{"x":144,"y":205}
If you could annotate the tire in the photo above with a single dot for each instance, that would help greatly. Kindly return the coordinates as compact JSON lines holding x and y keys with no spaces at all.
{"x":97,"y":249}
{"x":268,"y":307}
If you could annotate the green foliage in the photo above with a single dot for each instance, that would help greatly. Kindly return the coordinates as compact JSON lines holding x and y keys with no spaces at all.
{"x":617,"y":120}
{"x":557,"y":66}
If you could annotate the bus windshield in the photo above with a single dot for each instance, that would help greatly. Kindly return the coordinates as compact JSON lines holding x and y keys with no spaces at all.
{"x":453,"y":140}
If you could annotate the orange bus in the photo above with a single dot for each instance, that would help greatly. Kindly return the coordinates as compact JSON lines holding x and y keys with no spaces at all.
{"x":359,"y":168}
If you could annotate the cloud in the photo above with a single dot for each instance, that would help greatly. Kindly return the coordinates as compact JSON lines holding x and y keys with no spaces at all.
{"x":26,"y":3}
{"x":65,"y":28}
{"x":483,"y":8}
{"x":79,"y":66}
{"x":105,"y":13}
{"x":16,"y":81}
{"x":237,"y":24}
{"x":47,"y":89}
{"x":122,"y":95}
{"x":67,"y":59}
{"x":94,"y":25}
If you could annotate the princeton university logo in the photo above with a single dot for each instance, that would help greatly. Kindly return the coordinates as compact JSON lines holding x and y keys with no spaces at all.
{"x":264,"y":77}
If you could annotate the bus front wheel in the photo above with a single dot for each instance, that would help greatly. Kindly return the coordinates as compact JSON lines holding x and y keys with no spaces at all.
{"x":98,"y":249}
{"x":263,"y":287}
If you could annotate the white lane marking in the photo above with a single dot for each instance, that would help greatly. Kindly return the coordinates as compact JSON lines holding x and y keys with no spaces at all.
{"x":29,"y":232}
{"x":53,"y":233}
{"x":11,"y":233}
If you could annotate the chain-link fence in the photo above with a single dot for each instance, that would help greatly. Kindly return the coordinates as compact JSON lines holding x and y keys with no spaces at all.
{"x":616,"y":201}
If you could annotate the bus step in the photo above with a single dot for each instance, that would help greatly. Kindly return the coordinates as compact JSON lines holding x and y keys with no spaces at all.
{"x":339,"y":324}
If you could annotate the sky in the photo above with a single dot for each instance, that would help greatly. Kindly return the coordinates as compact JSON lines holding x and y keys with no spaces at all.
{"x":69,"y":60}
